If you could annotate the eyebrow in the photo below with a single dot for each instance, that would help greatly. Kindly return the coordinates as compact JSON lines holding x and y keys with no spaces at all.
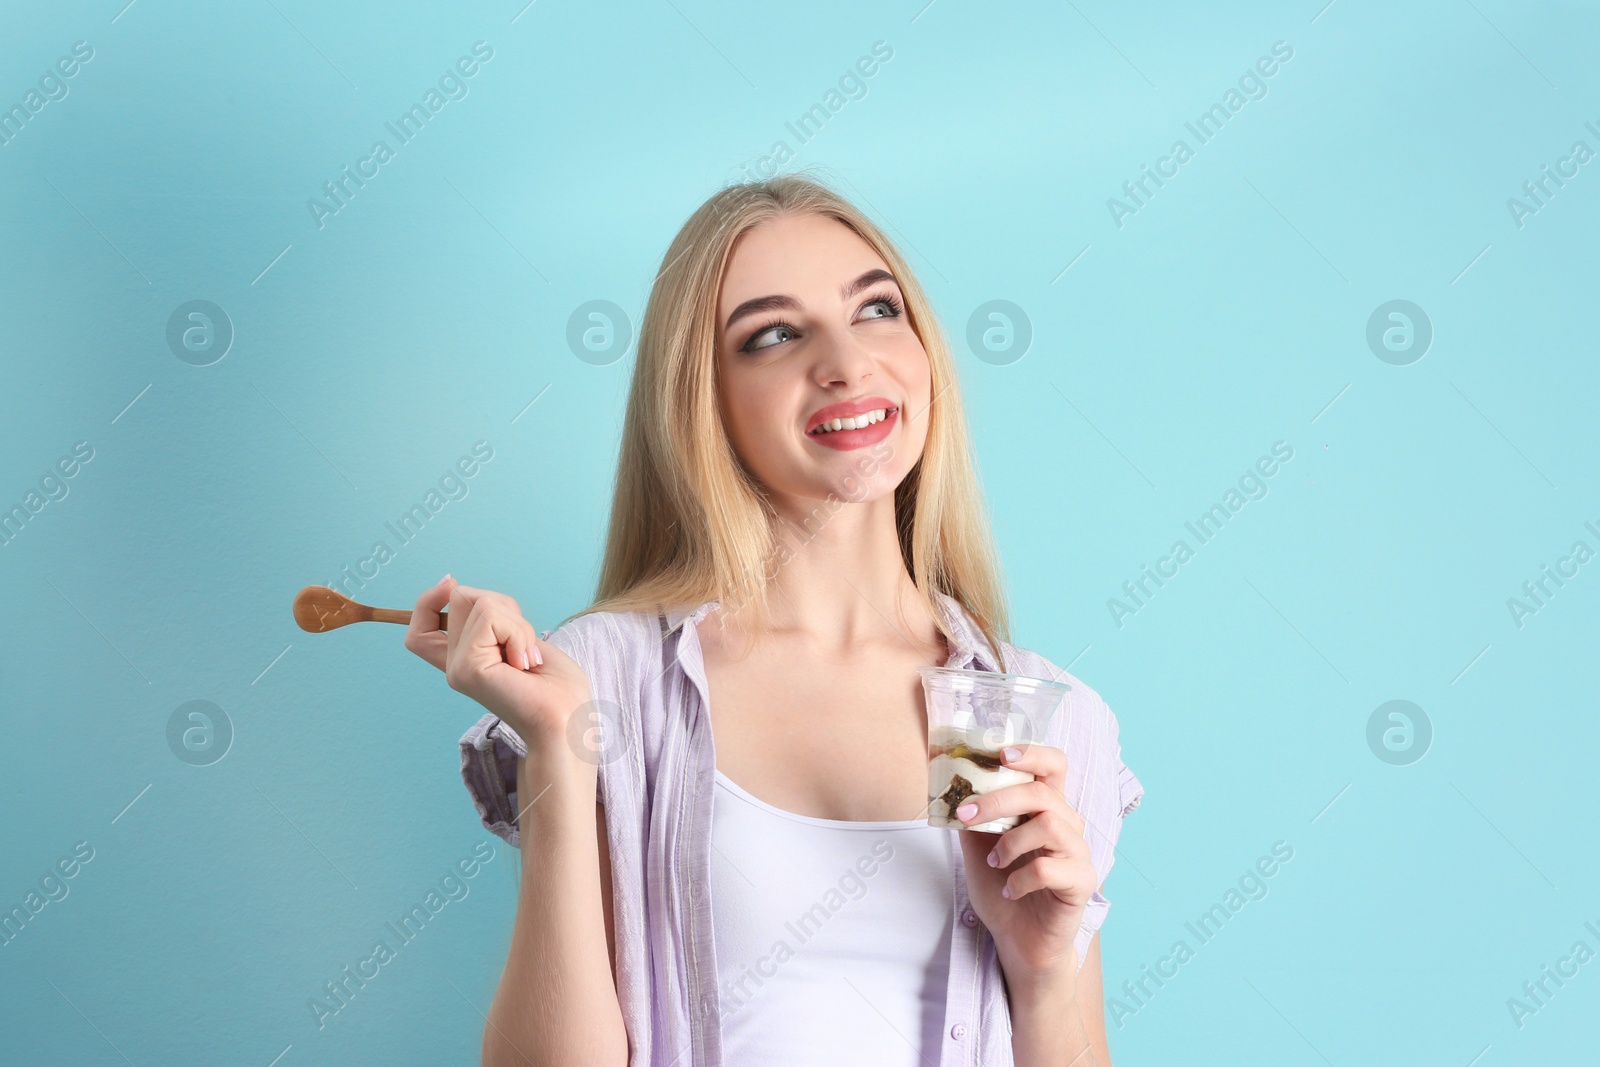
{"x":789,"y":303}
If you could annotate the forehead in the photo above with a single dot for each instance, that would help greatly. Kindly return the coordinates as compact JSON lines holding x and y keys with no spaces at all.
{"x":805,"y":256}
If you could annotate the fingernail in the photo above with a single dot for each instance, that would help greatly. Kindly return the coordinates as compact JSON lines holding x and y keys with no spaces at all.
{"x":1005,"y":891}
{"x":525,"y":665}
{"x":994,"y":859}
{"x":537,"y":657}
{"x":966,"y":811}
{"x":1013,"y":754}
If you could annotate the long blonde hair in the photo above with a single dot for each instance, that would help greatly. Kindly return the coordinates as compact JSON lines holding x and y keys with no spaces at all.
{"x":689,"y":523}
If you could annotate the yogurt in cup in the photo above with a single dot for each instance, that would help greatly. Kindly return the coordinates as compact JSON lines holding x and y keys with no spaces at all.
{"x":972,"y":715}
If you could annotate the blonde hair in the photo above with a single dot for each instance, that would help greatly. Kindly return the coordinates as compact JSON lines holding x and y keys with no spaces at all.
{"x":689,"y":523}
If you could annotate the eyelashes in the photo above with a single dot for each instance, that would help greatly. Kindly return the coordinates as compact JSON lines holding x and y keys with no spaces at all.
{"x":890,"y":299}
{"x":896,"y":309}
{"x":750,"y":345}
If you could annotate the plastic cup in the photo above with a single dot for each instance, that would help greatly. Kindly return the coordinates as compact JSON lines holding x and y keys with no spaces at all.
{"x":972,"y":715}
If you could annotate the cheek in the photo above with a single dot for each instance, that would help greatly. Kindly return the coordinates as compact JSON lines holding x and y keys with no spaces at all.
{"x":758,"y":445}
{"x":915,"y":374}
{"x":750,"y":415}
{"x":911,"y":360}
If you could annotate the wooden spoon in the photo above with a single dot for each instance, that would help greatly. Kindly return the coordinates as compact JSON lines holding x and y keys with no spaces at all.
{"x":319,"y":609}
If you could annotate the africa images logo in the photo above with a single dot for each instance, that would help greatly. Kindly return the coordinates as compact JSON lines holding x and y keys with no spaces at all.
{"x":452,"y":85}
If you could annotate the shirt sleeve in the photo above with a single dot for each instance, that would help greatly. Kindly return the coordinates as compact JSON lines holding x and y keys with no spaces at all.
{"x":489,"y":754}
{"x":1100,"y":786}
{"x":1109,"y":792}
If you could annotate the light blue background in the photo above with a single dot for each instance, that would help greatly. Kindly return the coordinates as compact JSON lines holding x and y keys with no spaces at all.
{"x":1229,"y":313}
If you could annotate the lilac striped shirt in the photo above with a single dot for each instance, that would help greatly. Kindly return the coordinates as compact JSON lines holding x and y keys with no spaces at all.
{"x":656,"y":777}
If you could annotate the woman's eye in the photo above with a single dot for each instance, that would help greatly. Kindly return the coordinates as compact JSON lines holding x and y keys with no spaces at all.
{"x":885,"y":308}
{"x":775,"y":334}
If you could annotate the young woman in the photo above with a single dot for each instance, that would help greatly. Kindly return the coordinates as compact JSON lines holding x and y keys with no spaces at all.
{"x":717,"y":772}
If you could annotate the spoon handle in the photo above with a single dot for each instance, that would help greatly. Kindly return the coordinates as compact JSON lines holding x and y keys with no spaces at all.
{"x":402,"y":616}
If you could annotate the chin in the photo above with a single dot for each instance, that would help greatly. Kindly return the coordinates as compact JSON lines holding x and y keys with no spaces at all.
{"x":860,"y":489}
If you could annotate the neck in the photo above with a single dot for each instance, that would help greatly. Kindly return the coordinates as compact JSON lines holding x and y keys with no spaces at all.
{"x":845,"y":582}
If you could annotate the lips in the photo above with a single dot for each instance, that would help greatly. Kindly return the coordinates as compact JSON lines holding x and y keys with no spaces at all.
{"x":842,"y":440}
{"x":847,"y":409}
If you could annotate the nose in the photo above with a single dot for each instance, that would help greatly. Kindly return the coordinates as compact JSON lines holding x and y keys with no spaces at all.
{"x":842,"y":360}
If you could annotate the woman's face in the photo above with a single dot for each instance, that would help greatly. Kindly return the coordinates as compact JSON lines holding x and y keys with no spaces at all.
{"x":811,"y":327}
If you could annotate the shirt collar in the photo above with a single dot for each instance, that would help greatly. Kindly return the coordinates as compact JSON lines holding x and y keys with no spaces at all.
{"x":967,"y":647}
{"x":676,"y":617}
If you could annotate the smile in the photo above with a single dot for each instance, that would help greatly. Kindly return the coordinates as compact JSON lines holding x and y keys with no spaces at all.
{"x":859,"y":431}
{"x":857,"y":423}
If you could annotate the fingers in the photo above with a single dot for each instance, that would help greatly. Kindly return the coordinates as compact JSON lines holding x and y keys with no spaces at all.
{"x":473,"y":595}
{"x":489,"y":594}
{"x":1073,"y":881}
{"x":1050,"y":832}
{"x":533,"y":645}
{"x":425,"y":616}
{"x":1025,"y":798}
{"x":521,"y":651}
{"x":461,"y":600}
{"x":1042,"y":761}
{"x":1047,"y":791}
{"x":489,"y":620}
{"x":422,"y":634}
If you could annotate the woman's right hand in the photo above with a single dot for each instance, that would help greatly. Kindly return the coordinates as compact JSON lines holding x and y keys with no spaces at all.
{"x":493,"y":655}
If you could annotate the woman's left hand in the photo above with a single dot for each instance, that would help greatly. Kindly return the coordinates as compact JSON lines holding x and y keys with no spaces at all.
{"x":1043,"y":864}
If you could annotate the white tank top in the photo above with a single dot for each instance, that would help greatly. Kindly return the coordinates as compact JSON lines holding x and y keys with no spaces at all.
{"x":832,"y":937}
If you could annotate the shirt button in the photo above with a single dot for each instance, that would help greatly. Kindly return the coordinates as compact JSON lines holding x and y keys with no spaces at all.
{"x":958,"y":1031}
{"x":969,"y":917}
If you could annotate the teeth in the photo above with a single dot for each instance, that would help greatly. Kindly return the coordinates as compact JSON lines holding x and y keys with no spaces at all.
{"x":855,"y":423}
